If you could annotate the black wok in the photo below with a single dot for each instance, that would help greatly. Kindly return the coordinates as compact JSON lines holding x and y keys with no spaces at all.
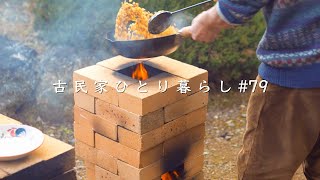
{"x":146,"y":48}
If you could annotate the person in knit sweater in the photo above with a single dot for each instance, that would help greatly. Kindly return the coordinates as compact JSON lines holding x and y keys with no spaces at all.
{"x":283,"y":123}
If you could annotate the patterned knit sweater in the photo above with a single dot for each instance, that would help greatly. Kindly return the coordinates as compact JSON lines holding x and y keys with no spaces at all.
{"x":290,"y":47}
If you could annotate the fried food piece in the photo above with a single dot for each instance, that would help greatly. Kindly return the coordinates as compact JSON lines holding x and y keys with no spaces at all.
{"x":132,"y":23}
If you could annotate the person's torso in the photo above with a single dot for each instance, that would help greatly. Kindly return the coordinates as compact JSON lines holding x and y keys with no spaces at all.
{"x":292,"y":36}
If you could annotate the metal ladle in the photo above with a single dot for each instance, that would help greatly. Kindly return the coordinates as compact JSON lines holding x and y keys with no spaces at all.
{"x":160,"y":21}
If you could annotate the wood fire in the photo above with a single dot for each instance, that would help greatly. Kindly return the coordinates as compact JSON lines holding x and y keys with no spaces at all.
{"x":173,"y":175}
{"x":140,"y":73}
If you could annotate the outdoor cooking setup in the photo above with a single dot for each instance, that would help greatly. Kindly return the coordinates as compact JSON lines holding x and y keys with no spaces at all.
{"x":141,"y":115}
{"x":133,"y":135}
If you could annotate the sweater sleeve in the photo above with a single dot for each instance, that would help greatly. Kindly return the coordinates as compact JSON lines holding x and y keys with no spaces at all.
{"x":236,"y":12}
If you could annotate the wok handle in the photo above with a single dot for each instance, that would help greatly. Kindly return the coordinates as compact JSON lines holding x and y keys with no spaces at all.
{"x":192,"y":6}
{"x":186,"y":32}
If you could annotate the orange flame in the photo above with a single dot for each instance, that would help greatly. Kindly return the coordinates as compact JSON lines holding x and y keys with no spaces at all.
{"x":170,"y":175}
{"x":140,"y":72}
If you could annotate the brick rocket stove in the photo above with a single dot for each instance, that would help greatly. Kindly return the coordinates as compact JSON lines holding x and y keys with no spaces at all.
{"x":140,"y":135}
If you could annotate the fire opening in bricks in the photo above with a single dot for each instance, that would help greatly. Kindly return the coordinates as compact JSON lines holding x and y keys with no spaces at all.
{"x":140,"y":71}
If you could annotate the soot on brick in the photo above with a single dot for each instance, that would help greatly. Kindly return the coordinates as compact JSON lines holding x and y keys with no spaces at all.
{"x":176,"y":156}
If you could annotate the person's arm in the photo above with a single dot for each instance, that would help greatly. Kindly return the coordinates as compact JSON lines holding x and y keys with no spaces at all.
{"x":226,"y":13}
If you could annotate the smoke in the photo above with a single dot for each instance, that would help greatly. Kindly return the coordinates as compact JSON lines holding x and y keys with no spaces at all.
{"x":78,"y":23}
{"x":182,"y":19}
{"x":73,"y":33}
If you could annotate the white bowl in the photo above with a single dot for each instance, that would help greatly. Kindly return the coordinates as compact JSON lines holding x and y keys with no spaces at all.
{"x":17,"y":141}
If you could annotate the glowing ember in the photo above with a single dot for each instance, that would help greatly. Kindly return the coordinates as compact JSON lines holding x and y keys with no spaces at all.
{"x":140,"y":72}
{"x":173,"y":175}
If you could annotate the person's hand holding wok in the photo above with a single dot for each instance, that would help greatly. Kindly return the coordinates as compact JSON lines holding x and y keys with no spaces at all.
{"x":206,"y":26}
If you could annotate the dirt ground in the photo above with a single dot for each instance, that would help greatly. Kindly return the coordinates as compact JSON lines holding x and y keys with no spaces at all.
{"x":225,"y":127}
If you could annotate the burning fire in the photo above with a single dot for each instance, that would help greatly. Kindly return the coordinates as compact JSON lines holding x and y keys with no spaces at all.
{"x":173,"y":175}
{"x":140,"y":72}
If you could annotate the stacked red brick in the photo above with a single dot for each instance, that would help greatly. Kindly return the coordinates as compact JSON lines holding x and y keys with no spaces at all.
{"x":134,"y":135}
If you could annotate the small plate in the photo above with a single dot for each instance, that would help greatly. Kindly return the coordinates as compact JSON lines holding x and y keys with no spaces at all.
{"x":17,"y":141}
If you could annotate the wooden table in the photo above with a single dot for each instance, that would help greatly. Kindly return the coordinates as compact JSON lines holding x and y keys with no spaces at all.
{"x":54,"y":160}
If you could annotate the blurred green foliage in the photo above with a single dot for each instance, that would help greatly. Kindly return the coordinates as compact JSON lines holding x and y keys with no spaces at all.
{"x":230,"y":58}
